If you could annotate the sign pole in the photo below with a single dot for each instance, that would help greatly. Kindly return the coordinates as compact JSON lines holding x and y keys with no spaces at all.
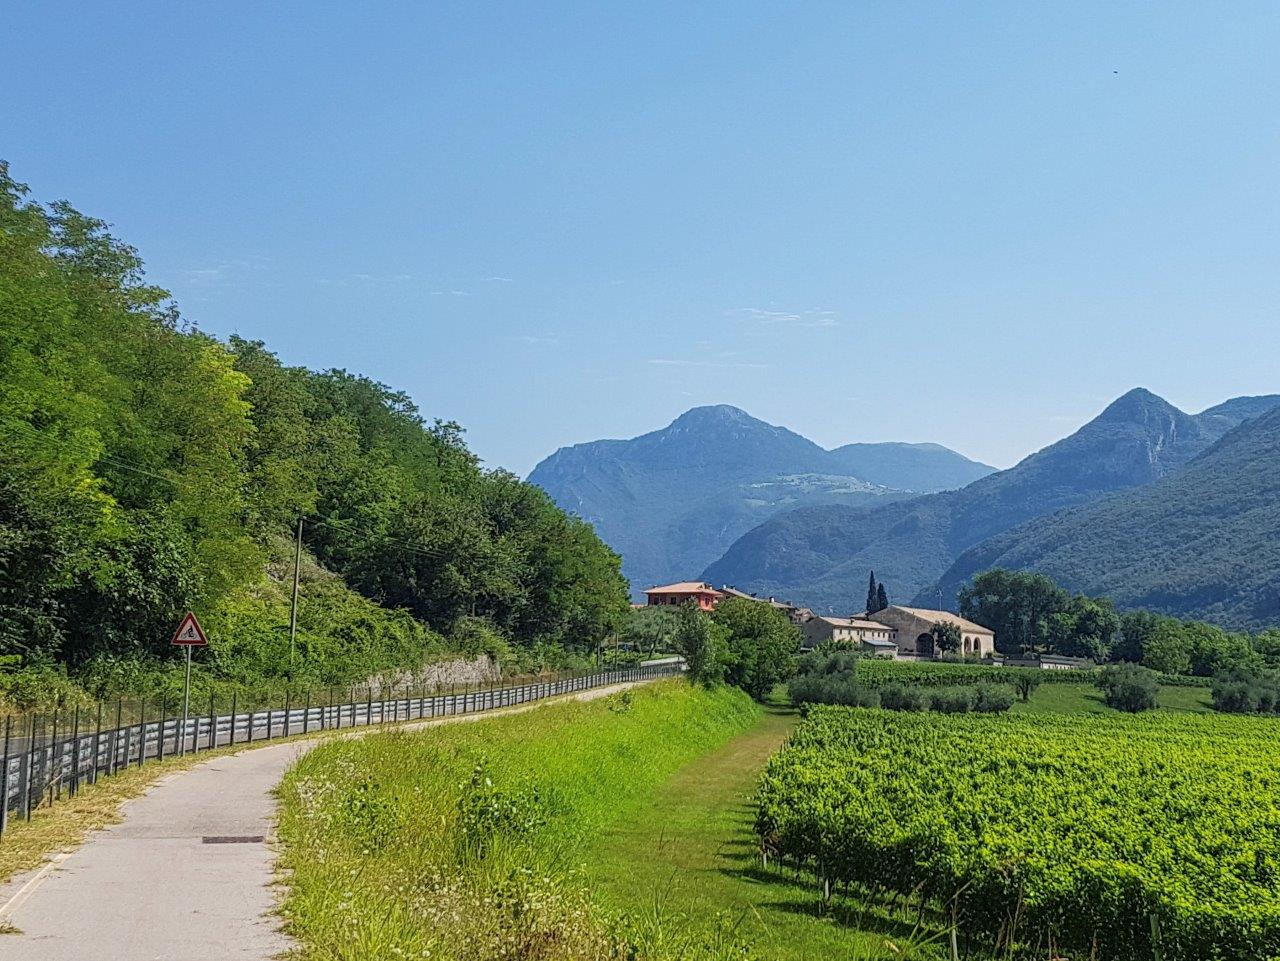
{"x":189,"y":634}
{"x":186,"y":701}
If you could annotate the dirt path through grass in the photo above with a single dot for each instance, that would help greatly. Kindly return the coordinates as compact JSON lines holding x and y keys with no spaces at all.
{"x":691,"y":856}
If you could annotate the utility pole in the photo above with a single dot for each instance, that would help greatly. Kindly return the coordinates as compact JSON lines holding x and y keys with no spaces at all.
{"x":293,"y":608}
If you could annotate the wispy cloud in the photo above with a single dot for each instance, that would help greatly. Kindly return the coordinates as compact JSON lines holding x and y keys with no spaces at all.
{"x":539,"y":339}
{"x":450,"y":293}
{"x":223,"y":272}
{"x":500,"y":280}
{"x":720,"y":364}
{"x":382,"y":278}
{"x":768,"y":316}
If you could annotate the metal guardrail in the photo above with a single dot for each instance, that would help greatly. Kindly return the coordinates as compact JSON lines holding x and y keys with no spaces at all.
{"x":40,"y":765}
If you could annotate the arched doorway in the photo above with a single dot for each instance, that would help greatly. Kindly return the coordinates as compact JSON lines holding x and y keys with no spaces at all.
{"x":924,"y":645}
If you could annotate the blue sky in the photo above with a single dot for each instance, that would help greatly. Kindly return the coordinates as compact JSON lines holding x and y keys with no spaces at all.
{"x":970,"y":223}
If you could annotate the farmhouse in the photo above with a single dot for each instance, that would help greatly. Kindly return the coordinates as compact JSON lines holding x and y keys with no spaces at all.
{"x":914,"y":627}
{"x":871,"y":636}
{"x":704,"y":595}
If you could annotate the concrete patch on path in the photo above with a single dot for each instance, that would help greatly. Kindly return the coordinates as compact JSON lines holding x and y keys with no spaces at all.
{"x":150,"y":888}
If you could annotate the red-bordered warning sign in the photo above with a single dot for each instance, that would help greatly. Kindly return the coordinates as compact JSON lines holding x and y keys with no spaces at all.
{"x":189,"y":633}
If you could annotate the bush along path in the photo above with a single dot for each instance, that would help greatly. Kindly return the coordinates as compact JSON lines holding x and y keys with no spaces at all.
{"x":185,"y":875}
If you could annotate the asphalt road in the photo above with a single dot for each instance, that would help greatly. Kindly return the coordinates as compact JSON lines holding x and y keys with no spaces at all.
{"x":155,"y":888}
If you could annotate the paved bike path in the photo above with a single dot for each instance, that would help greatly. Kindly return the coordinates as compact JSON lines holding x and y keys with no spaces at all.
{"x":155,"y":887}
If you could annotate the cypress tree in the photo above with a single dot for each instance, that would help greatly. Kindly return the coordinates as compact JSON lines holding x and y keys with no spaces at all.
{"x":882,"y":598}
{"x":871,"y":595}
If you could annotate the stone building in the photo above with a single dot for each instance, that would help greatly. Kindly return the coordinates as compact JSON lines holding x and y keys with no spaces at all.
{"x":870,"y":636}
{"x":913,"y":627}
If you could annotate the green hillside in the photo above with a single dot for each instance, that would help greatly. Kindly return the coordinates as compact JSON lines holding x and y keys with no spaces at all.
{"x":821,"y":555}
{"x":147,"y":468}
{"x":1203,"y":542}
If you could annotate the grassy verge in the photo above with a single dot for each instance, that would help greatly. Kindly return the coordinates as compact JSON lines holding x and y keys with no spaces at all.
{"x":687,"y":866}
{"x":469,"y":841}
{"x":1066,"y":698}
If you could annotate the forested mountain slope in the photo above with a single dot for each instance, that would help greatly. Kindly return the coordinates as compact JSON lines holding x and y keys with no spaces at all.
{"x":146,"y":468}
{"x":672,"y":500}
{"x":1203,"y":542}
{"x":821,"y":555}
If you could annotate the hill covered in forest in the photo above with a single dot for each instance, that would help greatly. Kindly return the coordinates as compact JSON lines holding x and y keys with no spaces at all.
{"x":147,"y":469}
{"x":1203,"y":542}
{"x":821,"y":555}
{"x":672,"y":500}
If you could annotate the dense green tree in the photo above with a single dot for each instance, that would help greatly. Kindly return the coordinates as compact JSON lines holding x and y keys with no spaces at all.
{"x":761,"y":645}
{"x":946,"y":637}
{"x":701,"y":642}
{"x":146,"y":469}
{"x":871,"y":594}
{"x":1166,"y":648}
{"x":1128,"y":687}
{"x":882,"y":597}
{"x":1017,"y":605}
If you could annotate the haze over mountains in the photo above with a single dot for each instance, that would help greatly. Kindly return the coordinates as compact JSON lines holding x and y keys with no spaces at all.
{"x":671,"y":501}
{"x":820,"y":555}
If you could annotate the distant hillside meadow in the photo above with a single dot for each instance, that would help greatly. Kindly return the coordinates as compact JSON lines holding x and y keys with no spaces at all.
{"x":1183,"y":518}
{"x":671,"y":501}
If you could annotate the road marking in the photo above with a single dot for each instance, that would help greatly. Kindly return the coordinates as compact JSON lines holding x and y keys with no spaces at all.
{"x":24,"y":892}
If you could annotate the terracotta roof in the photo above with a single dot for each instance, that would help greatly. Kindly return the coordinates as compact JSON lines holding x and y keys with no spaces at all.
{"x":944,"y":617}
{"x":683,"y":587}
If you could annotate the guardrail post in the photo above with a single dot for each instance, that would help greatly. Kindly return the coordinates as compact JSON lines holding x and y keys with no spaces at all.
{"x":73,"y":784}
{"x":164,"y":709}
{"x":213,"y":725}
{"x":4,"y":778}
{"x":29,"y":774}
{"x":97,"y":746}
{"x":234,"y":694}
{"x":53,"y":758}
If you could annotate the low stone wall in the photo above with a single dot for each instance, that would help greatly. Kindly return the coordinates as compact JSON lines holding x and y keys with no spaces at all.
{"x":454,"y":672}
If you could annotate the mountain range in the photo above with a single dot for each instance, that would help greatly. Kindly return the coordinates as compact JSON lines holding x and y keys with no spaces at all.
{"x":1202,"y":542}
{"x":820,"y":555}
{"x":671,"y":501}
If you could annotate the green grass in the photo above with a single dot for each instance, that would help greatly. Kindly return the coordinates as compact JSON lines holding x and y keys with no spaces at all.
{"x":1065,"y":698}
{"x":470,"y":841}
{"x":689,"y":862}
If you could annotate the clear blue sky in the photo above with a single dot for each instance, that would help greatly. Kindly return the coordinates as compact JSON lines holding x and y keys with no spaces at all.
{"x":972,"y":223}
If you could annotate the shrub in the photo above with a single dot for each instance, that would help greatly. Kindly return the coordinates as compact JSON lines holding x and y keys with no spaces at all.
{"x":897,"y":697}
{"x":952,"y":700}
{"x":1234,"y":697}
{"x":1128,"y":687}
{"x":836,"y":688}
{"x":992,"y":698}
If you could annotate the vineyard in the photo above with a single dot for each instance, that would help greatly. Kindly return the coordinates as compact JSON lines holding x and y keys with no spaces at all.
{"x":1126,"y":838}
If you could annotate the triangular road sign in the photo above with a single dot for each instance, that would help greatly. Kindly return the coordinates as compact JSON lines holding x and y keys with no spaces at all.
{"x":189,"y":633}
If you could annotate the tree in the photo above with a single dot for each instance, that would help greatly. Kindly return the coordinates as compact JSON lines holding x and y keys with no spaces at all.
{"x":701,"y":643}
{"x":946,"y":637}
{"x":1166,"y":648}
{"x":882,"y":598}
{"x":1026,"y":681}
{"x":872,"y":595}
{"x":1128,"y":687}
{"x":761,"y":645}
{"x":652,"y":628}
{"x":1016,"y":605}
